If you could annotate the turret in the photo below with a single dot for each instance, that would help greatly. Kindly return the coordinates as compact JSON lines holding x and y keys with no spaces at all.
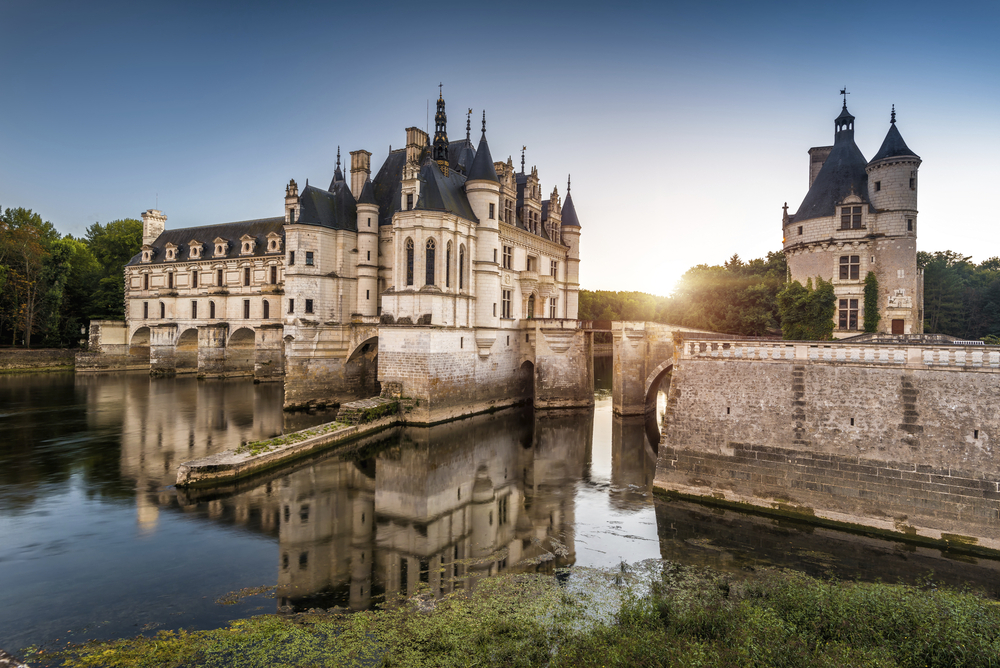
{"x":483,"y":190}
{"x":338,"y":175}
{"x":153,"y":224}
{"x":367,"y":250}
{"x":570,"y":231}
{"x":892,"y":184}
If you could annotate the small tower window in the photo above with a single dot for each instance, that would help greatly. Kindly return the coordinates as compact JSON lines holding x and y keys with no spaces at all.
{"x":267,"y":309}
{"x":246,"y":309}
{"x":409,"y":201}
{"x":194,"y":279}
{"x":409,"y":261}
{"x":274,"y":275}
{"x":800,"y":230}
{"x":291,"y":257}
{"x":145,"y":310}
{"x":909,"y":224}
{"x":145,"y":281}
{"x":246,"y":276}
{"x":878,"y":186}
{"x":461,"y":267}
{"x":291,"y":306}
{"x":913,"y":180}
{"x":492,"y":211}
{"x":429,"y":263}
{"x":194,"y":309}
{"x":309,"y":306}
{"x":309,"y":258}
{"x":170,"y":279}
{"x":163,"y":311}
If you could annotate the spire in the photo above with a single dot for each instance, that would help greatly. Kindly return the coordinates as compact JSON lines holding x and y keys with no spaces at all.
{"x":844,"y":123}
{"x":441,"y":131}
{"x":893,"y":145}
{"x":569,"y":217}
{"x":523,"y":149}
{"x":468,"y":124}
{"x":568,"y":177}
{"x":892,"y":118}
{"x":337,"y":174}
{"x":482,"y":166}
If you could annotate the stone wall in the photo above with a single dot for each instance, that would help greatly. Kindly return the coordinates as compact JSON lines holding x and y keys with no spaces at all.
{"x":903,"y":443}
{"x":20,"y":359}
{"x":564,"y":364}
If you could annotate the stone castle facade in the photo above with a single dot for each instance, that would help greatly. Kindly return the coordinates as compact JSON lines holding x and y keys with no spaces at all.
{"x":860,"y":216}
{"x":438,"y":276}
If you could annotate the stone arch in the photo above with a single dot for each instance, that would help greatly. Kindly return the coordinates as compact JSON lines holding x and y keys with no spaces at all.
{"x":363,"y":348}
{"x":138,"y":347}
{"x":240,"y":352}
{"x":526,"y":380}
{"x":186,"y":355}
{"x":361,"y":368}
{"x":654,"y":380}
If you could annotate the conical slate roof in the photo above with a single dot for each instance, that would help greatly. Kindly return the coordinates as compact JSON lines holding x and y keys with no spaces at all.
{"x":893,"y":146}
{"x":367,"y":195}
{"x":842,"y":174}
{"x":569,"y":218}
{"x":482,"y":166}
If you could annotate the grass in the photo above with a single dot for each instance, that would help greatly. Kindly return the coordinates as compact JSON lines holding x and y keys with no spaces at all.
{"x":670,"y":616}
{"x":266,"y":445}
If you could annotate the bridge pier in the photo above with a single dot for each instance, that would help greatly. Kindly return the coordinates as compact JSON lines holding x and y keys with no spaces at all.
{"x":163,"y":350}
{"x":212,"y":350}
{"x":643,"y":357}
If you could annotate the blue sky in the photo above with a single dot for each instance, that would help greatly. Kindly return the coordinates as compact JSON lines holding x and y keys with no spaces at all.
{"x":685,"y":125}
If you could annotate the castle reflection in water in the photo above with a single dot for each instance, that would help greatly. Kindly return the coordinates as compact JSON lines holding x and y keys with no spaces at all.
{"x":436,"y":506}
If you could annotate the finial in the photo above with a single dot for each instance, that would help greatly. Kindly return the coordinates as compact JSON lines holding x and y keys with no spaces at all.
{"x":523,"y":149}
{"x":440,"y":91}
{"x":484,"y":121}
{"x":843,"y":91}
{"x":567,"y":183}
{"x":892,"y":119}
{"x":468,"y":124}
{"x":338,"y":157}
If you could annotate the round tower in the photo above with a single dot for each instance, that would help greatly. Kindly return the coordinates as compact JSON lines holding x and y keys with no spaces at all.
{"x":892,"y":184}
{"x":570,"y":232}
{"x":367,"y":250}
{"x":483,"y":190}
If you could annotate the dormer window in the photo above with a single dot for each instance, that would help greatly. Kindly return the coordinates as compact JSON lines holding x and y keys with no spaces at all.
{"x":221,"y":247}
{"x":850,"y":217}
{"x":247,"y":244}
{"x":273,"y":243}
{"x":171,"y":252}
{"x":147,"y":253}
{"x":194,"y":249}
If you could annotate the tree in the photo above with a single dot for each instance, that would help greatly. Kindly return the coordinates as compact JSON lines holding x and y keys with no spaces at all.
{"x":24,"y":242}
{"x":807,"y":313}
{"x":113,"y":245}
{"x":872,"y":315}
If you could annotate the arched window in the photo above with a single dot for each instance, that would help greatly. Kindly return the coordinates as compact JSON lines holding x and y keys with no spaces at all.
{"x":531,"y":306}
{"x":409,"y":261}
{"x":267,"y":310}
{"x":211,"y":310}
{"x":163,"y":311}
{"x":447,"y":266}
{"x":429,"y":263}
{"x":461,"y":267}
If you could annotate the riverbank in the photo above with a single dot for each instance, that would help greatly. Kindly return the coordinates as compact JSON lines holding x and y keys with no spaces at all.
{"x":656,"y":614}
{"x":30,"y":360}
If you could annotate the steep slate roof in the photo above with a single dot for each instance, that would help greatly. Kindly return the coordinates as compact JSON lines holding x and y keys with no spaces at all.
{"x":569,"y":218}
{"x":388,"y":185}
{"x":893,"y":146}
{"x":843,"y":173}
{"x":443,"y":193}
{"x":482,"y":166}
{"x":207,"y":234}
{"x":460,"y":155}
{"x":336,"y":210}
{"x":367,"y":195}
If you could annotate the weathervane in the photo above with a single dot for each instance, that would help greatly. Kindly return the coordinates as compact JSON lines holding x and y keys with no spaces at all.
{"x":523,"y":149}
{"x":468,"y":124}
{"x":440,"y":91}
{"x":892,"y":119}
{"x":843,"y":91}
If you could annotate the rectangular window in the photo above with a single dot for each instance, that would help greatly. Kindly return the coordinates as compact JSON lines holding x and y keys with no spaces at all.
{"x":913,"y":183}
{"x":878,"y":186}
{"x":163,"y":310}
{"x":194,"y":310}
{"x":848,"y":314}
{"x":850,"y":218}
{"x":494,"y":254}
{"x":409,"y":201}
{"x":211,"y":310}
{"x":800,"y":230}
{"x":309,"y":258}
{"x":369,"y":256}
{"x":274,"y":275}
{"x":291,"y":306}
{"x":170,"y":279}
{"x":529,"y":264}
{"x":552,"y":307}
{"x":368,"y":294}
{"x":246,"y":276}
{"x":554,"y":268}
{"x":508,"y":257}
{"x":246,"y":309}
{"x":494,"y":309}
{"x":909,"y":224}
{"x":492,"y":211}
{"x":506,"y":309}
{"x":194,"y":279}
{"x":145,"y":310}
{"x":291,"y":257}
{"x":218,"y":277}
{"x":369,"y":221}
{"x":145,"y":281}
{"x":850,"y":267}
{"x":309,"y":306}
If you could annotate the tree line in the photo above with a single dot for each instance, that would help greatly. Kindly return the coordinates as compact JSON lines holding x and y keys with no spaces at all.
{"x":51,"y":285}
{"x":754,"y":298}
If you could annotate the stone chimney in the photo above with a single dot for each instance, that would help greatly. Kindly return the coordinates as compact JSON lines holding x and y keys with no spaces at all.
{"x":361,"y":170}
{"x":291,"y":202}
{"x":153,"y":224}
{"x":416,"y":142}
{"x":817,"y":156}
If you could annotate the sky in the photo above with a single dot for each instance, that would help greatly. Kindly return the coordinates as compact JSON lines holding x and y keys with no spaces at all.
{"x":685,"y":126}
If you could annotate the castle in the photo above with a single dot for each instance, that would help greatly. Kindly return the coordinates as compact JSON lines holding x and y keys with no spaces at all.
{"x":446,"y":278}
{"x":860,"y":216}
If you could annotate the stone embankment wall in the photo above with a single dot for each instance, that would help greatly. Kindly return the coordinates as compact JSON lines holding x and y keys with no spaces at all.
{"x":894,"y":437}
{"x":20,"y":359}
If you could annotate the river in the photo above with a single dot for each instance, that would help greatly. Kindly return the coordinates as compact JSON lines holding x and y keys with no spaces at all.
{"x":96,"y":543}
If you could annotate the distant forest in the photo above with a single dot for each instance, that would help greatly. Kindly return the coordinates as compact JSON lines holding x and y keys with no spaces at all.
{"x":51,"y":285}
{"x":745,"y":298}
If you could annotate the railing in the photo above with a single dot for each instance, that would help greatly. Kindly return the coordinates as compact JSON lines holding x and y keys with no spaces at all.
{"x":969,"y":357}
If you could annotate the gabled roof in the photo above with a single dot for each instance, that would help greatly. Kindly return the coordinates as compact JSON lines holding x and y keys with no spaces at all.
{"x":482,"y":166}
{"x":843,"y":173}
{"x":259,"y":229}
{"x":443,"y":193}
{"x":569,"y":218}
{"x":336,"y":210}
{"x":893,"y":146}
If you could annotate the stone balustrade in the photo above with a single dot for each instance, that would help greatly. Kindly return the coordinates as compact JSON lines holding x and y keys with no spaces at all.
{"x":958,"y":357}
